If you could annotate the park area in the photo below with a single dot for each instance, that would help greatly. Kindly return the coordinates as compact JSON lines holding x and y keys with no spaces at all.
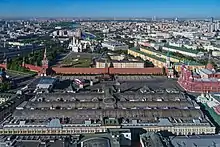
{"x":79,"y":62}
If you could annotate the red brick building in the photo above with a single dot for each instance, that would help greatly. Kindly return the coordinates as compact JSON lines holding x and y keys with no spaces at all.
{"x":119,"y":71}
{"x":201,"y":81}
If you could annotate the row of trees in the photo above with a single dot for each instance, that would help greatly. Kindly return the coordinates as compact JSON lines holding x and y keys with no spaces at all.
{"x":182,"y":56}
{"x":36,"y":57}
{"x":201,"y":61}
{"x":16,"y":64}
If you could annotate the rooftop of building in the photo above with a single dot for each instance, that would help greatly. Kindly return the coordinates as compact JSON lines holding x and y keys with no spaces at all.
{"x":147,"y":105}
{"x":113,"y":43}
{"x":206,"y":71}
{"x":121,"y":61}
{"x":148,"y":55}
{"x":161,"y":53}
{"x":40,"y":141}
{"x":207,"y":80}
{"x":184,"y":49}
{"x":151,"y":139}
{"x":191,"y":63}
{"x":97,"y":140}
{"x":47,"y":80}
{"x":91,"y":140}
{"x":198,"y":141}
{"x":96,"y":104}
{"x":79,"y":116}
{"x":212,"y":106}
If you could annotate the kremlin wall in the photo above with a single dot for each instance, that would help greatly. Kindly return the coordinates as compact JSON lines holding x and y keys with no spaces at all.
{"x":192,"y":77}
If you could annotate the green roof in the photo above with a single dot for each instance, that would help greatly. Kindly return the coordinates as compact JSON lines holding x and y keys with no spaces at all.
{"x":193,"y":63}
{"x":184,"y":49}
{"x":213,"y":114}
{"x":165,"y":54}
{"x":149,"y":55}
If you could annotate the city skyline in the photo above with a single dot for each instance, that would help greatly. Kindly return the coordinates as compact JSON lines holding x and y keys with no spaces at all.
{"x":113,"y":8}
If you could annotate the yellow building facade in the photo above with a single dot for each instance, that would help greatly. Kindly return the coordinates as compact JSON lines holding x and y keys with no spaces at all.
{"x":177,"y":129}
{"x":191,"y":66}
{"x":159,"y":60}
{"x":160,"y":55}
{"x":58,"y":131}
{"x":121,"y":64}
{"x":183,"y":130}
{"x":156,"y":61}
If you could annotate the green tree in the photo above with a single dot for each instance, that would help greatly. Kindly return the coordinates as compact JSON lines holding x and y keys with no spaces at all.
{"x":5,"y":86}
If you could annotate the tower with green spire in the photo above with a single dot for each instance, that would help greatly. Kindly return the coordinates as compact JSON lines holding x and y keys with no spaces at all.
{"x":169,"y":68}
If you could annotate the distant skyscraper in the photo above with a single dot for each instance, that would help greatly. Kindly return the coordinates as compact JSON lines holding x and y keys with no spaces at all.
{"x":211,"y":28}
{"x":176,"y":19}
{"x":154,"y":18}
{"x":212,"y":19}
{"x":216,"y":26}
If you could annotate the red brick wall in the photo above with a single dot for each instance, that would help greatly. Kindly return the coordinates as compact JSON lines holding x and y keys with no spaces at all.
{"x":139,"y":71}
{"x":124,"y":71}
{"x":106,"y":71}
{"x":3,"y":66}
{"x":33,"y":67}
{"x":61,"y":70}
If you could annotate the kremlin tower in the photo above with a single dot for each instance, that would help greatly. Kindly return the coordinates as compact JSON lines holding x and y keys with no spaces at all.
{"x":45,"y":64}
{"x":169,"y":67}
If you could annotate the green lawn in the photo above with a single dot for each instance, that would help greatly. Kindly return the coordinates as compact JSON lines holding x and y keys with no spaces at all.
{"x":82,"y":62}
{"x":21,"y":73}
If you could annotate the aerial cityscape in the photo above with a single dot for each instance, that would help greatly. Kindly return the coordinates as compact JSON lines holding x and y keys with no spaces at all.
{"x":116,"y":73}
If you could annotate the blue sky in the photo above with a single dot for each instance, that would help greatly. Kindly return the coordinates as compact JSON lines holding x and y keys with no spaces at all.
{"x":110,"y":8}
